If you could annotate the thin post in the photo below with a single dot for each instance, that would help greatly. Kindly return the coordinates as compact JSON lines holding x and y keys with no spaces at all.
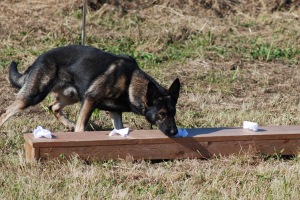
{"x":83,"y":21}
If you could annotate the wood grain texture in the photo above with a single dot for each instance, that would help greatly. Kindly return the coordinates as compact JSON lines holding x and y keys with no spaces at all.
{"x":153,"y":144}
{"x":31,"y":153}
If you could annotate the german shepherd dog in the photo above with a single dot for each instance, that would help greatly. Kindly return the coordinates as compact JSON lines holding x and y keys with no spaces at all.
{"x":97,"y":79}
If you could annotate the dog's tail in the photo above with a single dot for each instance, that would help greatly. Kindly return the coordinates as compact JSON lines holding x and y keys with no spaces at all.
{"x":16,"y":79}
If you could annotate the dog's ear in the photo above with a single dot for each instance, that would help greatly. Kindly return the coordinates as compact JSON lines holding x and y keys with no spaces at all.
{"x":152,"y":93}
{"x":174,"y":89}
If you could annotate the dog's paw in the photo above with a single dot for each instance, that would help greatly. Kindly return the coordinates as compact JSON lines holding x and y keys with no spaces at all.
{"x":70,"y":126}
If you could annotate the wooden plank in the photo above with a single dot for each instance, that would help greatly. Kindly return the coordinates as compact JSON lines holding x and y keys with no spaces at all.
{"x":173,"y":150}
{"x":153,"y":144}
{"x":31,"y":153}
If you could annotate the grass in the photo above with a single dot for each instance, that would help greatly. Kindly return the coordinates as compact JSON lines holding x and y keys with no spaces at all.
{"x":236,"y":62}
{"x":220,"y":178}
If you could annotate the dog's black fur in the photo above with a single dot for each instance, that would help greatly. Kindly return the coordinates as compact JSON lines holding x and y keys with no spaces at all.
{"x":98,"y":79}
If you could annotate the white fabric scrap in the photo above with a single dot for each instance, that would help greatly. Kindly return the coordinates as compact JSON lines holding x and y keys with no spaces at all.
{"x":250,"y":125}
{"x":123,"y":132}
{"x":41,"y":132}
{"x":182,"y":133}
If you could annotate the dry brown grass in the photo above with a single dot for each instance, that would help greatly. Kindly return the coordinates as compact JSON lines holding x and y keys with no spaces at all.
{"x":237,"y":60}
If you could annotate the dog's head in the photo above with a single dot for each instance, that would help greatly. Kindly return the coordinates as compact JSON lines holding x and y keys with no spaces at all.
{"x":161,"y":107}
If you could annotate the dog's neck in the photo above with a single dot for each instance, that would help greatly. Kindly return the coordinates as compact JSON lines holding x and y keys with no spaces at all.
{"x":138,"y":92}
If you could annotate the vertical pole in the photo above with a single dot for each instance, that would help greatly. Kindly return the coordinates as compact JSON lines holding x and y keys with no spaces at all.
{"x":83,"y":21}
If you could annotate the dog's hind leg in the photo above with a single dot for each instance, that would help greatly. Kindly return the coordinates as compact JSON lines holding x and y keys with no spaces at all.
{"x":14,"y":108}
{"x":116,"y":119}
{"x":87,"y":108}
{"x":59,"y":102}
{"x":37,"y":85}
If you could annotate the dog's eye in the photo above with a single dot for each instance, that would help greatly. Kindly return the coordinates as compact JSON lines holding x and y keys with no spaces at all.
{"x":163,"y":114}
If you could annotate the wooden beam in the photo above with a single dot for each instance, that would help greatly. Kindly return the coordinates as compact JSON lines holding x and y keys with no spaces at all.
{"x":153,"y":144}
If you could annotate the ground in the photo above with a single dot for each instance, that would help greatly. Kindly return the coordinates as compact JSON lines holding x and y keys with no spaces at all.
{"x":237,"y":60}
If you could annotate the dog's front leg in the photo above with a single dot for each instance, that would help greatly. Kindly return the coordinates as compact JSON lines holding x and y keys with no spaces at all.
{"x":87,"y":108}
{"x":116,"y":119}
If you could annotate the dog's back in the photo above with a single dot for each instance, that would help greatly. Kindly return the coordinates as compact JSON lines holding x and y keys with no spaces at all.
{"x":73,"y":65}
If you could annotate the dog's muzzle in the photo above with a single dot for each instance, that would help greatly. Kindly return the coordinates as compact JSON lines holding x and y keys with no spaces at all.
{"x":167,"y":129}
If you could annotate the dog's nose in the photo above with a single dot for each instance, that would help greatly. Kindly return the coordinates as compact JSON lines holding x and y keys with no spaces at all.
{"x":173,"y":131}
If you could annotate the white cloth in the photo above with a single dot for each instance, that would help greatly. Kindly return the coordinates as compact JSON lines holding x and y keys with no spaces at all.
{"x":41,"y":132}
{"x":123,"y":132}
{"x":250,"y":125}
{"x":182,"y":133}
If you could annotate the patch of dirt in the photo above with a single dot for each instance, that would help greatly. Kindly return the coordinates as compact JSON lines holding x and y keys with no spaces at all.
{"x":219,"y":8}
{"x":48,"y":15}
